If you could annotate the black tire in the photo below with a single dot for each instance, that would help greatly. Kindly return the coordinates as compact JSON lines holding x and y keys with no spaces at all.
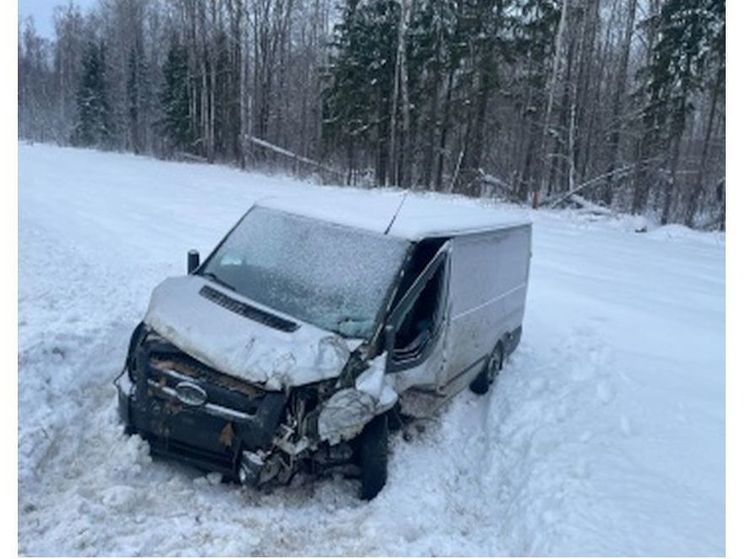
{"x":373,"y":456}
{"x":396,"y":421}
{"x":487,"y":376}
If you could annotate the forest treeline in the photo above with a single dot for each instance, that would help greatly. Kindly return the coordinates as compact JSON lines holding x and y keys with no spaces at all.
{"x":606,"y":103}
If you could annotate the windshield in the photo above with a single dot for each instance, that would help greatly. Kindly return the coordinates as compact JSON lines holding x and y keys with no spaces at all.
{"x":332,"y":276}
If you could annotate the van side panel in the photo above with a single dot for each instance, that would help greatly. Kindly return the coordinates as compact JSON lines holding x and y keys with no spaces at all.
{"x":488,"y":282}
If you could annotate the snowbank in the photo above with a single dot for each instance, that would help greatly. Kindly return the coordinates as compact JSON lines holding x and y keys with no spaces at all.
{"x":603,"y":435}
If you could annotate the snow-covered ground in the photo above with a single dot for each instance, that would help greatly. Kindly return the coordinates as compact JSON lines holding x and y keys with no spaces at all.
{"x":603,"y":435}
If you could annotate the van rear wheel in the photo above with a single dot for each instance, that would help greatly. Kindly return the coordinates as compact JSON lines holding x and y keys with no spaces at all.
{"x":373,"y":456}
{"x":487,"y":376}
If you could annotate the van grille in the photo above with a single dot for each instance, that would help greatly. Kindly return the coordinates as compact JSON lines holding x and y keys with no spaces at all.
{"x":185,"y":365}
{"x":248,"y":311}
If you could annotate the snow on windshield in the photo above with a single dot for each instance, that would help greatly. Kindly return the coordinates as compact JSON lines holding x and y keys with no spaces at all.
{"x":332,"y":276}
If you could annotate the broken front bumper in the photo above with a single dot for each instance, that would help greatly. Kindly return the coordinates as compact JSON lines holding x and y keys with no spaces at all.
{"x":208,"y":435}
{"x":191,"y":412}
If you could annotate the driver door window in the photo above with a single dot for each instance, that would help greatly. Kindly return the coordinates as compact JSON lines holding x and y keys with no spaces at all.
{"x":420,"y":323}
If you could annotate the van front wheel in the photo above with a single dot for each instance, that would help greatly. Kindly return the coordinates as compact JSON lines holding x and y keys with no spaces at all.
{"x":373,"y":455}
{"x":486,"y":377}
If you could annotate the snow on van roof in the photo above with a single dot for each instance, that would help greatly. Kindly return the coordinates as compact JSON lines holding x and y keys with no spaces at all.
{"x":419,"y":215}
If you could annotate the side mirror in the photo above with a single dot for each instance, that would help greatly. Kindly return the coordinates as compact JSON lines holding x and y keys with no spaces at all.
{"x":192,"y":261}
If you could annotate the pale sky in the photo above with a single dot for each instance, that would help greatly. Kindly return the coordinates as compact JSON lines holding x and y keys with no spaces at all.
{"x":41,"y":10}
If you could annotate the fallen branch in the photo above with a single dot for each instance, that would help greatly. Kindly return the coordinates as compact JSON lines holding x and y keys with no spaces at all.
{"x":555,"y":201}
{"x":589,"y":207}
{"x":504,"y":188}
{"x":294,"y":156}
{"x":190,"y":157}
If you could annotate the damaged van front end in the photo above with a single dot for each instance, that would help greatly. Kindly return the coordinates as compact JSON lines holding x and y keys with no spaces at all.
{"x":216,"y":422}
{"x":187,"y":410}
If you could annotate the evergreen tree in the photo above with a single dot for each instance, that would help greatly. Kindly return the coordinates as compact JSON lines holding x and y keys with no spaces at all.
{"x":534,"y":35}
{"x":715,"y":82}
{"x":483,"y":42}
{"x":92,"y":127}
{"x":430,"y":68}
{"x":136,"y":71}
{"x":361,"y":78}
{"x":175,"y":100}
{"x":687,"y":31}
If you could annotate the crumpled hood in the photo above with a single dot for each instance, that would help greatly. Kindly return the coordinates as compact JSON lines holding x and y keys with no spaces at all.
{"x":239,"y":346}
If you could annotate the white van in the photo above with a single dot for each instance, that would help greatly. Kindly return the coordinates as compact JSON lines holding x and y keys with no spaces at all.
{"x":311,"y":326}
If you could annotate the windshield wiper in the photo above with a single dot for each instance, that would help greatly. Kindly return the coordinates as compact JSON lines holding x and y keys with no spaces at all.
{"x":217,"y":280}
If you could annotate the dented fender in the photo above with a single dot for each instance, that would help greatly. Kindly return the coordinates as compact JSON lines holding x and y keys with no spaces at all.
{"x":345,"y":414}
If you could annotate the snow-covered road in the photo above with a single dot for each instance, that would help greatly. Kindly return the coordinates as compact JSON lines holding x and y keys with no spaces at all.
{"x":604,"y":434}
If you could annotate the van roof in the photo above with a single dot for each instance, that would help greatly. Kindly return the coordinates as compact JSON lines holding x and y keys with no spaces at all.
{"x":419,"y":215}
